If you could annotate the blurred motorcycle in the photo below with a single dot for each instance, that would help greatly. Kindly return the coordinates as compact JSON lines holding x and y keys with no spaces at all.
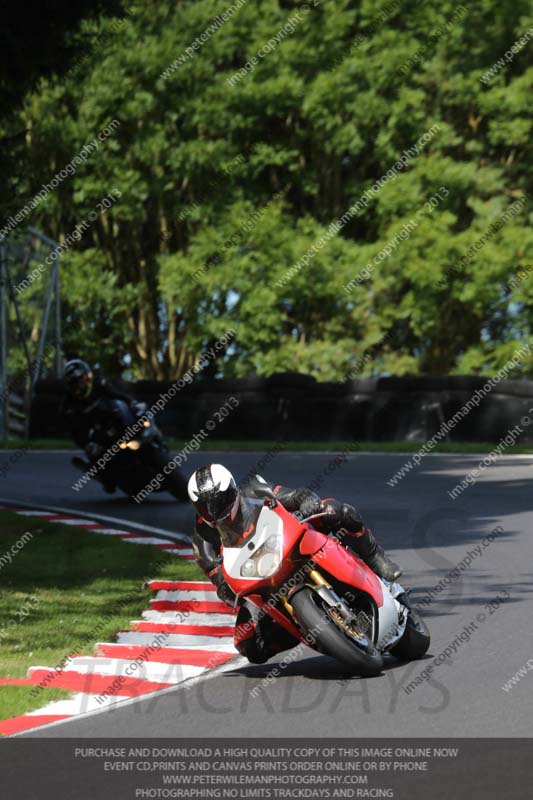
{"x":140,"y":457}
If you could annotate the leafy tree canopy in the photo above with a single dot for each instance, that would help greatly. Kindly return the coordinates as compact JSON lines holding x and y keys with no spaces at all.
{"x":230,"y":171}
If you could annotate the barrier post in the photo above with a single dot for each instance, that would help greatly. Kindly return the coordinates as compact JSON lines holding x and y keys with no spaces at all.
{"x":3,"y":344}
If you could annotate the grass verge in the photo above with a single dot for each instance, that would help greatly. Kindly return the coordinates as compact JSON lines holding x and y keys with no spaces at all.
{"x":65,"y":590}
{"x":260,"y":445}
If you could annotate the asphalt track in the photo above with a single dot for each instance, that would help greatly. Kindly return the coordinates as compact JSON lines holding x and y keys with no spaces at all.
{"x":428,"y":533}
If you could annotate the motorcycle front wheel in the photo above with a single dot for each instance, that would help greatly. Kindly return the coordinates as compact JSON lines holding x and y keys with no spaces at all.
{"x":176,"y":484}
{"x":333,"y":636}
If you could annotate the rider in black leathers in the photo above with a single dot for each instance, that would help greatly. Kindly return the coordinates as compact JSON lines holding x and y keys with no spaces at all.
{"x":86,"y":403}
{"x":257,"y":636}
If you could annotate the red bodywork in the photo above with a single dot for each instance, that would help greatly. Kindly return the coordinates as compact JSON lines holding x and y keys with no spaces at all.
{"x":301,"y":540}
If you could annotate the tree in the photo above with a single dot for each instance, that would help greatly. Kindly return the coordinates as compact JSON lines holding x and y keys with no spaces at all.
{"x":240,"y":142}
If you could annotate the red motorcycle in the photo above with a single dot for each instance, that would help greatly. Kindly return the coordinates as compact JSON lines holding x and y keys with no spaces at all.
{"x":321,"y":593}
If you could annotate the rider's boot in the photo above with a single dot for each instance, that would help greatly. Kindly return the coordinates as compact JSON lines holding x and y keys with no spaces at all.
{"x":364,"y":544}
{"x":352,"y":532}
{"x":80,"y":463}
{"x":258,"y":637}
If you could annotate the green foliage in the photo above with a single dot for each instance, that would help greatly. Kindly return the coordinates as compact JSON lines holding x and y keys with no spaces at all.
{"x":226,"y":185}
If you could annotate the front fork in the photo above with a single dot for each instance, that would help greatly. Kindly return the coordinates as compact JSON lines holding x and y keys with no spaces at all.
{"x":318,"y":583}
{"x":324,"y":589}
{"x":346,"y":617}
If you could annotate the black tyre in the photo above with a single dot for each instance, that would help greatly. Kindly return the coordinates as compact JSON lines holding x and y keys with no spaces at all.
{"x":175,"y":483}
{"x":415,"y":640}
{"x":351,"y":649}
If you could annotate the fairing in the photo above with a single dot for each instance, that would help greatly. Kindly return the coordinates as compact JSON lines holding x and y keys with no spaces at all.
{"x":346,"y":567}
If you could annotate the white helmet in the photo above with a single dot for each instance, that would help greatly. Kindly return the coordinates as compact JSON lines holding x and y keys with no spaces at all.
{"x":214,"y":494}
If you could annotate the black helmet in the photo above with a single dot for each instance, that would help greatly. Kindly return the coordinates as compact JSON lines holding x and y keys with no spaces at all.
{"x":78,"y":378}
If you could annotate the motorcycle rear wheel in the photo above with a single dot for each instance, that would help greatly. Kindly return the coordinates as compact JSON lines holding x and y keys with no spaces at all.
{"x":353,"y":651}
{"x":415,"y":640}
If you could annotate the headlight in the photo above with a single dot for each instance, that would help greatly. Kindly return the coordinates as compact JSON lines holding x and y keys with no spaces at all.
{"x":134,"y":444}
{"x":248,"y":569}
{"x":267,"y":564}
{"x":266,"y":561}
{"x":146,"y":423}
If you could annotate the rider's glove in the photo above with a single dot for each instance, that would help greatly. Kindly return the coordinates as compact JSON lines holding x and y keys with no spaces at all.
{"x":309,"y":507}
{"x":224,"y":593}
{"x":351,"y":518}
{"x":340,"y":516}
{"x":93,"y":450}
{"x":138,"y":407}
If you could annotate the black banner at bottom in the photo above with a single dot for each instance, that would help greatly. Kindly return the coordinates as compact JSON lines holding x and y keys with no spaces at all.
{"x":130,"y":769}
